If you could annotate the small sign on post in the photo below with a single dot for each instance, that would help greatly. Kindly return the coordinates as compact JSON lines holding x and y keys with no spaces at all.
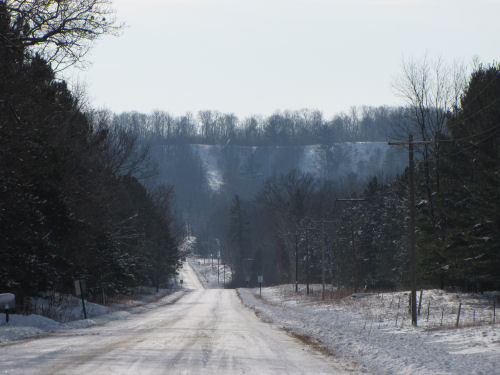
{"x":260,"y":279}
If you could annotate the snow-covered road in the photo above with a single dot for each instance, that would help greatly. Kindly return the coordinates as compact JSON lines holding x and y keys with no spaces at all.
{"x":207,"y":331}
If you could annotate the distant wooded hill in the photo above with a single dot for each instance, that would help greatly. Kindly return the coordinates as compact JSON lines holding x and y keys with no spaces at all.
{"x":212,"y":156}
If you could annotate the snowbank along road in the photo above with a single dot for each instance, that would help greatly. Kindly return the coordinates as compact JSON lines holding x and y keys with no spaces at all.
{"x":207,"y":331}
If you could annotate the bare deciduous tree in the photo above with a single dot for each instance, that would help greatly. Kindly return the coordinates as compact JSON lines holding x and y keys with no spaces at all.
{"x":125,"y":154}
{"x":61,"y":31}
{"x":431,"y":89}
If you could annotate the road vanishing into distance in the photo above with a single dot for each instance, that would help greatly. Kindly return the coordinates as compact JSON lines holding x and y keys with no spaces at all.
{"x":207,"y":331}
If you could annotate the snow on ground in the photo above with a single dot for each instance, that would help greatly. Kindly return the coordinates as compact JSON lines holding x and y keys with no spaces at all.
{"x":208,"y":331}
{"x":206,"y":268}
{"x":67,"y":313}
{"x":374,"y":330}
{"x":25,"y":326}
{"x":188,"y":245}
{"x":208,"y":156}
{"x":365,"y":159}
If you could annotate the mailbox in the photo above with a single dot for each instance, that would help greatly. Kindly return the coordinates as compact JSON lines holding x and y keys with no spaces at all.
{"x":7,"y":301}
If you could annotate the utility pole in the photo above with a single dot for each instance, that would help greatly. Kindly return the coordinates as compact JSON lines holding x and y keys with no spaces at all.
{"x":354,"y":260}
{"x":296,"y":262}
{"x":307,"y":261}
{"x":413,"y":255}
{"x":323,"y":253}
{"x":323,"y":257}
{"x":354,"y":256}
{"x":323,"y":250}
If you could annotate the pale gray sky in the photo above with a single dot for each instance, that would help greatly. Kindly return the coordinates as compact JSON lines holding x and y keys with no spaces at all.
{"x":259,"y":56}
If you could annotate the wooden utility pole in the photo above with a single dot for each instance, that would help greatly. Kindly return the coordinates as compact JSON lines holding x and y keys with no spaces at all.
{"x":354,"y":260}
{"x":307,"y":261}
{"x":354,"y":256}
{"x":296,"y":262}
{"x":413,"y":253}
{"x":323,"y":250}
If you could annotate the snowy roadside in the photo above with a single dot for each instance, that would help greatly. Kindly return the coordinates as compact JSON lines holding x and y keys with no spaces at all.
{"x":33,"y":325}
{"x":211,"y":274}
{"x":373,"y":331}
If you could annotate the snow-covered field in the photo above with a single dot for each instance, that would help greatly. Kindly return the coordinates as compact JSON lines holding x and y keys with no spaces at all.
{"x":69,"y":315}
{"x":374,"y":330}
{"x":208,"y":274}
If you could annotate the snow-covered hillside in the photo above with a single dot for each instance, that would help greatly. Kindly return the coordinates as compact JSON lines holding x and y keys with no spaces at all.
{"x":217,"y":166}
{"x":364,"y":159}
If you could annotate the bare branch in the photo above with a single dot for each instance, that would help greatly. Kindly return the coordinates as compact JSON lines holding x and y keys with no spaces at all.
{"x":61,"y":31}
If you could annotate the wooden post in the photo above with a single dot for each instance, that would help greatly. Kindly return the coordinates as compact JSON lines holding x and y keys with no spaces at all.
{"x":83,"y":299}
{"x":420,"y":301}
{"x":323,"y":250}
{"x":307,"y":262}
{"x":354,"y":262}
{"x":413,"y":257}
{"x":458,"y":314}
{"x":296,"y":262}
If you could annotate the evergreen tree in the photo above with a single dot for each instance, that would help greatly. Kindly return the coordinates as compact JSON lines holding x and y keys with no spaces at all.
{"x":465,"y":248}
{"x":237,"y":228}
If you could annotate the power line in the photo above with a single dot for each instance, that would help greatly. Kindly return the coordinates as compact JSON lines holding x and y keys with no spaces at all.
{"x":471,"y":136}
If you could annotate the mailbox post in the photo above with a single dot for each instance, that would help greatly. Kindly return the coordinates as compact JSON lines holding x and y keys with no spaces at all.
{"x":80,"y":291}
{"x":7,"y":302}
